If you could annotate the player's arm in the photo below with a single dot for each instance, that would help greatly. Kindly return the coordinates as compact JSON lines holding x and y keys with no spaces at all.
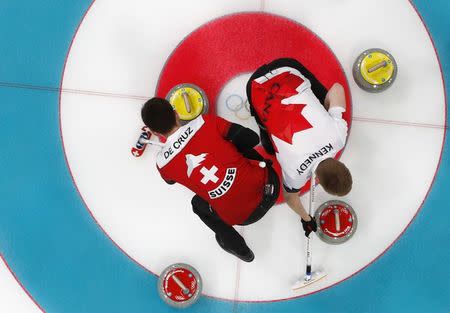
{"x":335,"y":98}
{"x":293,"y":201}
{"x":243,"y":138}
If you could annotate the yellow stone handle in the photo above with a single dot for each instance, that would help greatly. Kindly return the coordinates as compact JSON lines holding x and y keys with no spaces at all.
{"x":187,"y":102}
{"x":377,"y":66}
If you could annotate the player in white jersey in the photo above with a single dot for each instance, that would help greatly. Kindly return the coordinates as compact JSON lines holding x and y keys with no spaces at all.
{"x":301,"y":122}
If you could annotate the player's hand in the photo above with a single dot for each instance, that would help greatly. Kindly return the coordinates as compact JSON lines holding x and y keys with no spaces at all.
{"x":335,"y":97}
{"x":309,"y":226}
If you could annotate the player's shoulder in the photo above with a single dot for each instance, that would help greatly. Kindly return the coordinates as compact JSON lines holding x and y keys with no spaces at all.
{"x":206,"y":117}
{"x":178,"y":142}
{"x":213,"y":119}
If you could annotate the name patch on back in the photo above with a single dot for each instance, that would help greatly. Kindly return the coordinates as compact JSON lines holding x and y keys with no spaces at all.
{"x":225,"y":185}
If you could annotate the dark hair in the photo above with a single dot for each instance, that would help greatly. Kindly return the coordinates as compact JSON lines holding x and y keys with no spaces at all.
{"x":158,"y":115}
{"x":334,"y":177}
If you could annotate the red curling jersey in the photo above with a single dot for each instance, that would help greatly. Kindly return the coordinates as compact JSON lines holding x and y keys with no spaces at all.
{"x":199,"y":157}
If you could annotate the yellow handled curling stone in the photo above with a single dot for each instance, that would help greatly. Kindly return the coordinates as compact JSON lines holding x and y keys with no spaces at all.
{"x":374,"y":70}
{"x":189,"y":101}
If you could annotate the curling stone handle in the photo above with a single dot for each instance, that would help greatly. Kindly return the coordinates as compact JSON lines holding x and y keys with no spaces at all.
{"x":377,"y":66}
{"x":337,"y":220}
{"x":151,"y":142}
{"x":187,"y":102}
{"x":180,"y":284}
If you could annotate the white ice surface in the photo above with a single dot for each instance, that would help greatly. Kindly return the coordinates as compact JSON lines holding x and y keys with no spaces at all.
{"x":12,"y":297}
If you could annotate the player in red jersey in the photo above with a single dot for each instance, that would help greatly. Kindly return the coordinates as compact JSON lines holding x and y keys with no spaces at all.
{"x":216,"y":160}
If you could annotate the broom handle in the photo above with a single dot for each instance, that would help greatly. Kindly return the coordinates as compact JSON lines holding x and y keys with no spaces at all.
{"x":151,"y":142}
{"x":308,"y":239}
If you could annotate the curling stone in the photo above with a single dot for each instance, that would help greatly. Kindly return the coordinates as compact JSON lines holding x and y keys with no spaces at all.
{"x":180,"y":285}
{"x":374,"y":70}
{"x":336,"y":221}
{"x":188,"y":100}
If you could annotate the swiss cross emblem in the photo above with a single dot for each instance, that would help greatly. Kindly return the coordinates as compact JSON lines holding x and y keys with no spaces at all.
{"x":208,"y":172}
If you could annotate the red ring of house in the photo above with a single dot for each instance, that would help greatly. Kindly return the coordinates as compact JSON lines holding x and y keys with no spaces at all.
{"x":231,"y":45}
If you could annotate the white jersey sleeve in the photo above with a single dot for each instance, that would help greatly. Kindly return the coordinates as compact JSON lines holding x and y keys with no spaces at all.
{"x":293,"y":183}
{"x":340,"y":124}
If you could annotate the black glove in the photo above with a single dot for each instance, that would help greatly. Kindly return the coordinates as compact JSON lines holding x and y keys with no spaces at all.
{"x":309,"y":226}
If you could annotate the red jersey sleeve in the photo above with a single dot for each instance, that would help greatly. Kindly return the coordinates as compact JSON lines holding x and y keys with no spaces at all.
{"x":222,"y":125}
{"x":163,"y":176}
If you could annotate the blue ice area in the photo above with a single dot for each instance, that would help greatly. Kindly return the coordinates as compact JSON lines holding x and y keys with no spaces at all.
{"x":69,"y":265}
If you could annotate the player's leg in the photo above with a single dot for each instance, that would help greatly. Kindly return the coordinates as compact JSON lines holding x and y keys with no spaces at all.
{"x":318,"y":89}
{"x":316,"y":86}
{"x":266,"y":142}
{"x":227,"y":237}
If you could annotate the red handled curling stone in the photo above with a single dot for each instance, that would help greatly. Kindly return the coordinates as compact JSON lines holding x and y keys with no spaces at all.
{"x":336,"y":221}
{"x":180,"y":285}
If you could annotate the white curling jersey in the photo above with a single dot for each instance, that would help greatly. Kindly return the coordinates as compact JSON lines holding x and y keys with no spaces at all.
{"x":302,"y":131}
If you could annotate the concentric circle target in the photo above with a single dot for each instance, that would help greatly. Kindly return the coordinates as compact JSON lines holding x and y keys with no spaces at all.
{"x":119,"y":63}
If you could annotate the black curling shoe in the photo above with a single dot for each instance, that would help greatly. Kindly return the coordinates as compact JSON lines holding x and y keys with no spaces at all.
{"x":247,"y":257}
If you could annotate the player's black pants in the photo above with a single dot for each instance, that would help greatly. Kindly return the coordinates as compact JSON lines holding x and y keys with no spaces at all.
{"x":229,"y":236}
{"x":316,"y":86}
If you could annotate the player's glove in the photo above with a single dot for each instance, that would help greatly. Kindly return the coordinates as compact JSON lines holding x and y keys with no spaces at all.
{"x":309,"y":226}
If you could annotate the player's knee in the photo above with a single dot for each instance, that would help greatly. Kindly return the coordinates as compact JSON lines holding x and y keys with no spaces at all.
{"x":334,"y":177}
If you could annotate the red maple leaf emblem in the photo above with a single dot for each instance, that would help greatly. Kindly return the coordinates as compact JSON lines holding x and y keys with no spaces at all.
{"x":281,"y":121}
{"x":287,"y":121}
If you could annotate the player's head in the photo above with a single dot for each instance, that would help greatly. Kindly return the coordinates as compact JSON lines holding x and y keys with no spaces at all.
{"x":334,"y":177}
{"x":159,"y":116}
